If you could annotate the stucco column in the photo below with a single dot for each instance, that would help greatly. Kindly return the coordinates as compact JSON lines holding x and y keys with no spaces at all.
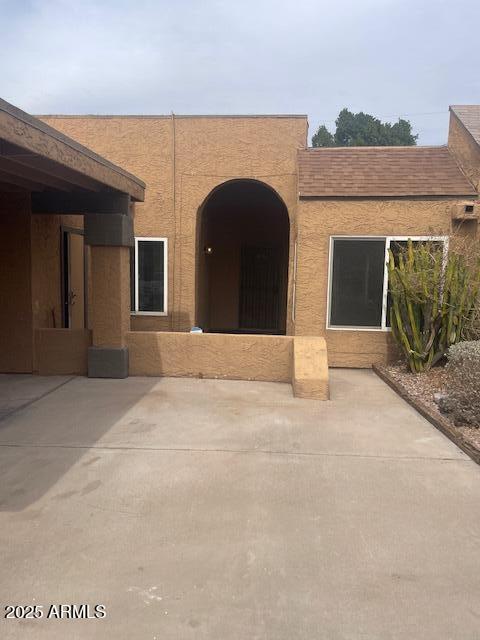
{"x":110,"y":237}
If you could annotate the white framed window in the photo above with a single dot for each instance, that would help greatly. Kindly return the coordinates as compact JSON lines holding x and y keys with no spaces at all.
{"x":149,"y":279}
{"x":357,"y":297}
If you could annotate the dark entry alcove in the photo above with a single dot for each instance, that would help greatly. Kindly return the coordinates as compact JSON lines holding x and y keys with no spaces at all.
{"x":242,"y":259}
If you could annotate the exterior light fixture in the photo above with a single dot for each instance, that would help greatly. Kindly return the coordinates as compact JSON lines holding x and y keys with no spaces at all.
{"x":208,"y":251}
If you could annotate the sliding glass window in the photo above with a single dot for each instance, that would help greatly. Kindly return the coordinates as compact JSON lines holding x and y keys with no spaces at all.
{"x":358,"y":280}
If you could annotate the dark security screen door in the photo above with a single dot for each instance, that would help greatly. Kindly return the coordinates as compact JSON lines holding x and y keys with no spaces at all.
{"x":260,"y":286}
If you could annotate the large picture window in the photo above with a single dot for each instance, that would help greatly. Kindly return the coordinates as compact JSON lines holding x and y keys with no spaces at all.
{"x":149,"y":270}
{"x":358,"y":280}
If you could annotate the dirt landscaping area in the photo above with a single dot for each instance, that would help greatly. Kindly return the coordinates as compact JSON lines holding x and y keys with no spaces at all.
{"x":420,"y":390}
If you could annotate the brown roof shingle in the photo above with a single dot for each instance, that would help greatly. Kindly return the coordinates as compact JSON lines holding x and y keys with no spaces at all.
{"x":380,"y":171}
{"x":469,"y":116}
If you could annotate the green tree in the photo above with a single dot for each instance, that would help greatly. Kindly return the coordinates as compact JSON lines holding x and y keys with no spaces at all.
{"x":362,"y":129}
{"x":323,"y":138}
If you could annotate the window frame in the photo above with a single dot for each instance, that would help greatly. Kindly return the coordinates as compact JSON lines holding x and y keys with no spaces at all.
{"x":136,"y":311}
{"x":388,"y":240}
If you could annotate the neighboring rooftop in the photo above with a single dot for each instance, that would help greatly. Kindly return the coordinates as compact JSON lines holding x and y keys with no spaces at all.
{"x":380,"y":171}
{"x":469,"y":116}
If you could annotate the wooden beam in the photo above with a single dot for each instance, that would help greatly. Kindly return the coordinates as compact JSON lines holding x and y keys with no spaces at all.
{"x":15,"y":154}
{"x":23,"y":171}
{"x":18,"y":181}
{"x":6,"y":187}
{"x":59,"y":172}
{"x":9,"y":150}
{"x":81,"y":203}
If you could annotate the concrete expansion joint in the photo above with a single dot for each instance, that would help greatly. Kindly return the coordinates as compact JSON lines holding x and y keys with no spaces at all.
{"x":267,"y":452}
{"x":34,"y":400}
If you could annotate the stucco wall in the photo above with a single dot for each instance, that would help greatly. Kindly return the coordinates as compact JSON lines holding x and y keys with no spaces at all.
{"x":183,"y":159}
{"x":61,"y":351}
{"x":320,"y":219}
{"x":465,"y":150}
{"x":310,"y":368}
{"x":201,"y":152}
{"x":16,"y":329}
{"x":210,"y":355}
{"x":30,"y":281}
{"x":46,"y":267}
{"x":110,"y":293}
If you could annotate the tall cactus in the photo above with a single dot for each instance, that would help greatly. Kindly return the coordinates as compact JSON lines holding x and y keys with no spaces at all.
{"x":432,"y":298}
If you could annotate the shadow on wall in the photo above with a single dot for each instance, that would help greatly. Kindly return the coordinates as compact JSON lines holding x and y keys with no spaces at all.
{"x":175,"y":321}
{"x":69,"y":422}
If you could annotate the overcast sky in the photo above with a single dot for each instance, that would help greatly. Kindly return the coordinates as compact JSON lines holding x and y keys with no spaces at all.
{"x":386,"y":57}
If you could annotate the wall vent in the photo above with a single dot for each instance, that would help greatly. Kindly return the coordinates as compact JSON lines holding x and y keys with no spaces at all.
{"x":466,"y":211}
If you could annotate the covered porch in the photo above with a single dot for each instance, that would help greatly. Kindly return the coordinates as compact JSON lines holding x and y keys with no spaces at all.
{"x":66,"y":231}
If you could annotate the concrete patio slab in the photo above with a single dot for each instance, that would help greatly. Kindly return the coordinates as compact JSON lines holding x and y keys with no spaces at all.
{"x":18,"y":390}
{"x":220,"y":509}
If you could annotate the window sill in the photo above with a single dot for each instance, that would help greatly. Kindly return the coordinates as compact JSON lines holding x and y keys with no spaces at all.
{"x":163,"y":314}
{"x":373,"y":329}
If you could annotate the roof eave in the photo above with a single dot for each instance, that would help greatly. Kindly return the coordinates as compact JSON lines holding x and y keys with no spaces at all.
{"x":371,"y":196}
{"x":23,"y":130}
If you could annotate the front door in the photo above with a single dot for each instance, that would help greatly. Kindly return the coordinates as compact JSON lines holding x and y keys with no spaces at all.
{"x":260,"y":286}
{"x":73,"y":279}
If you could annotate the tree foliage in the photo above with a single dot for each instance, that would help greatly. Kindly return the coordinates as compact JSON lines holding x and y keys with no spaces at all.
{"x":361,"y":129}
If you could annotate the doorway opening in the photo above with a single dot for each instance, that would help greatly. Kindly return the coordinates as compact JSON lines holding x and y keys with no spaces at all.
{"x":242,"y":260}
{"x":74,"y":306}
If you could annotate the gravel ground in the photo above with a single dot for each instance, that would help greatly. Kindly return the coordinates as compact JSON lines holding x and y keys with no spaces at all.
{"x":423,"y":386}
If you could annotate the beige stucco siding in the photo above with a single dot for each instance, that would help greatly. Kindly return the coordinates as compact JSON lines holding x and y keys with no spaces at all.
{"x":183,"y":159}
{"x":465,"y":150}
{"x":30,"y":278}
{"x":110,"y":284}
{"x":203,"y":153}
{"x":210,"y":355}
{"x":61,"y":351}
{"x":46,"y":267}
{"x":143,"y":146}
{"x":318,"y":220}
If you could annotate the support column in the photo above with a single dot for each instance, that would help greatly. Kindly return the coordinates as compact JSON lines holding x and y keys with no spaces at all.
{"x":110,"y":237}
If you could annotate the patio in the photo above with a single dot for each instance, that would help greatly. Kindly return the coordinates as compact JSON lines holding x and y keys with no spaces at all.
{"x":228,"y":509}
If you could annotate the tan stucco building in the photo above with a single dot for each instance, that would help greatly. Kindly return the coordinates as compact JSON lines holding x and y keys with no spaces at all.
{"x":239,"y":229}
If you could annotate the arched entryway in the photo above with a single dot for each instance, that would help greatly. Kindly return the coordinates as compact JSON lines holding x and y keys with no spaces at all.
{"x":242,"y":259}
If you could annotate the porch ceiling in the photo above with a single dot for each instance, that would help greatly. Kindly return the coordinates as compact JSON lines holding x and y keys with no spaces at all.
{"x":36,"y":157}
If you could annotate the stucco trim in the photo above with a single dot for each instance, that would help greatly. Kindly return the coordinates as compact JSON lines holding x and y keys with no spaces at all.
{"x":178,"y":116}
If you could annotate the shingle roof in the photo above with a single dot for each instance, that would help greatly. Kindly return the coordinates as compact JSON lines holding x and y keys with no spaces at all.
{"x":380,"y":171}
{"x":469,"y":115}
